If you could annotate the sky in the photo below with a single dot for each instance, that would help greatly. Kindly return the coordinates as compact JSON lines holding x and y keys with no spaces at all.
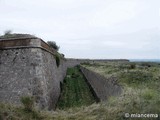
{"x":95,"y":29}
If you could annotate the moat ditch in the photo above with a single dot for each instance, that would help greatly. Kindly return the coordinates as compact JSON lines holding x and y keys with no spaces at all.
{"x":75,"y":90}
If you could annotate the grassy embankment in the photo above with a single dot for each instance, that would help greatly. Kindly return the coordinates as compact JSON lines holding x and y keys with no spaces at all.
{"x":141,"y":87}
{"x":140,"y":82}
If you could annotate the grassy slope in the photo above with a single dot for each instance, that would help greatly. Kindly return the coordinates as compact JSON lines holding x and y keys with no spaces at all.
{"x":75,"y":91}
{"x":141,"y":87}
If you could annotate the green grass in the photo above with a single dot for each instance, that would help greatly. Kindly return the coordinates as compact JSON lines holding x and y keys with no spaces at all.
{"x":76,"y":91}
{"x":12,"y":112}
{"x":141,"y":88}
{"x":140,"y":82}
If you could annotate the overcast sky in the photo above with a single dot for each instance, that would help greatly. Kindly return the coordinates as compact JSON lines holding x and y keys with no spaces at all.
{"x":89,"y":28}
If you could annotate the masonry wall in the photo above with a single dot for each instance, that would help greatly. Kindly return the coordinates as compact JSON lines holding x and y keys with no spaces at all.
{"x":52,"y":75}
{"x":73,"y":62}
{"x":30,"y":71}
{"x":102,"y":87}
{"x":16,"y":74}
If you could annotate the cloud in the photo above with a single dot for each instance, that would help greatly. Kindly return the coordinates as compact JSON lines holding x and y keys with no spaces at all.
{"x":89,"y":28}
{"x":114,"y":13}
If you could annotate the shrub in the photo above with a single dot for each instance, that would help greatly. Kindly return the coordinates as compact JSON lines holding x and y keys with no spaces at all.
{"x":53,"y":45}
{"x":145,"y":64}
{"x":62,"y":55}
{"x":132,"y":66}
{"x":7,"y":32}
{"x":28,"y":102}
{"x":123,"y":66}
{"x":74,"y":75}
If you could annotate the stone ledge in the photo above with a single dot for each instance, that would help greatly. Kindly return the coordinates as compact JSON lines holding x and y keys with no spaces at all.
{"x":25,"y":42}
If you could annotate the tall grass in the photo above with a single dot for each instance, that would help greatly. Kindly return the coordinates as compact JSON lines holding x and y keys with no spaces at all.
{"x":141,"y":88}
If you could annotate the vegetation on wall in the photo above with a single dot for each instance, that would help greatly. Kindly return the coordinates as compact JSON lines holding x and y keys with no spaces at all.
{"x":9,"y":34}
{"x":28,"y":102}
{"x":53,"y":45}
{"x":57,"y":58}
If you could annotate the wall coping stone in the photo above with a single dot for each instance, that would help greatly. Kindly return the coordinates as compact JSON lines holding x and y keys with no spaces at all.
{"x":25,"y":42}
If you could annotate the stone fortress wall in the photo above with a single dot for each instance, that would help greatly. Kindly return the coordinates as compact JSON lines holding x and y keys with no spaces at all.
{"x":28,"y":68}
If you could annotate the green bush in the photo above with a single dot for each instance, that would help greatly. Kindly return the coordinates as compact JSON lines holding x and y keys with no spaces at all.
{"x":132,"y":66}
{"x":7,"y":34}
{"x":63,"y":55}
{"x":28,"y":103}
{"x":145,"y":64}
{"x":53,"y":45}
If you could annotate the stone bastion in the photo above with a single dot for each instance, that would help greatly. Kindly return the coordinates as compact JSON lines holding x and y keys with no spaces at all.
{"x":28,"y":68}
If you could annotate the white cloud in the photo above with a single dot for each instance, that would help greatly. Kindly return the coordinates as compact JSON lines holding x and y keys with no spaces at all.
{"x":115,"y":13}
{"x":89,"y":28}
